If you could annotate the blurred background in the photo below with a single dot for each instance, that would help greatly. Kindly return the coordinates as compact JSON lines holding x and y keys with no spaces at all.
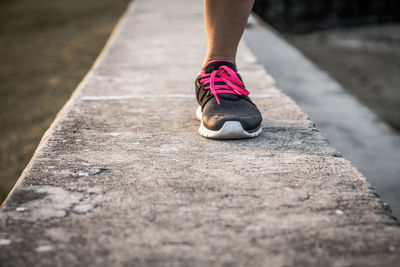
{"x":47,"y":46}
{"x":356,"y":41}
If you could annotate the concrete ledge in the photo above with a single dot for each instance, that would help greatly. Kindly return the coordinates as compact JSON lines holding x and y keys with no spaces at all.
{"x":122,"y":178}
{"x":356,"y":131}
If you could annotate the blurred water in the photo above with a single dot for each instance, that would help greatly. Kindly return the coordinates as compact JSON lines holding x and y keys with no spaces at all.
{"x":366,"y":61}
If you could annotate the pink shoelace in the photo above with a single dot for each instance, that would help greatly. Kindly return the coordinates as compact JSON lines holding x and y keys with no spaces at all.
{"x":232,"y":84}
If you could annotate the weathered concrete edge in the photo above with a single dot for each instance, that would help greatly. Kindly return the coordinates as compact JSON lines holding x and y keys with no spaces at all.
{"x":70,"y":102}
{"x":256,"y":21}
{"x":254,"y":18}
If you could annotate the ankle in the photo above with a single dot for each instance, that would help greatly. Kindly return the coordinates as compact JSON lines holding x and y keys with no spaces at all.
{"x":211,"y":58}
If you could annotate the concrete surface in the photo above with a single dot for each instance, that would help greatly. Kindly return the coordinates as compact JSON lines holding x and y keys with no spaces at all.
{"x":122,"y":177}
{"x":362,"y":137}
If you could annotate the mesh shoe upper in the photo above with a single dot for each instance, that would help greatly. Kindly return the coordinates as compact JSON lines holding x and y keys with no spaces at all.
{"x":223,"y":97}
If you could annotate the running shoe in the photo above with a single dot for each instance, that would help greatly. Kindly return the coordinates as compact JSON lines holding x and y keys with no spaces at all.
{"x":225,"y":110}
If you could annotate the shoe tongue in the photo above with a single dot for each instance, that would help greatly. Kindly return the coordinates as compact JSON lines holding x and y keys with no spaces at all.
{"x":215,"y":64}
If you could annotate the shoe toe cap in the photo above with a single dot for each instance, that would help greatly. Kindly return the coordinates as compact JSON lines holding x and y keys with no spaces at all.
{"x":214,"y":115}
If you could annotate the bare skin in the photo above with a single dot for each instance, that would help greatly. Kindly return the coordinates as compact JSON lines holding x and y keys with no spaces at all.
{"x":225,"y":22}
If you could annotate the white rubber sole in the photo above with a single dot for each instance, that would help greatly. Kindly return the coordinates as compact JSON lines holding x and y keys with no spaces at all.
{"x":230,"y":129}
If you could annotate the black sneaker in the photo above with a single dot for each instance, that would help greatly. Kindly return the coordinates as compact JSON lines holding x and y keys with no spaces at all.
{"x":225,"y":110}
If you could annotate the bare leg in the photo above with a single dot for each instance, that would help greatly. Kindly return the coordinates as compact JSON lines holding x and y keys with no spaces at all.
{"x":225,"y":22}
